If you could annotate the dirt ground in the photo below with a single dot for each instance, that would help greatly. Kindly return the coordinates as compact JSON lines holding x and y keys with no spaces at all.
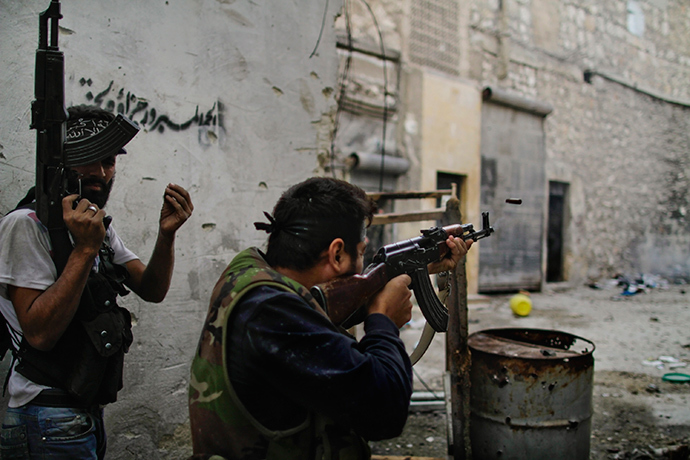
{"x":639,"y":338}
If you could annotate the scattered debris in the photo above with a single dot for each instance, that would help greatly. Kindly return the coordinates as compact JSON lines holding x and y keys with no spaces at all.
{"x":665,"y":362}
{"x":651,"y":388}
{"x":674,"y":452}
{"x":671,"y":452}
{"x":634,"y":285}
{"x":656,"y":363}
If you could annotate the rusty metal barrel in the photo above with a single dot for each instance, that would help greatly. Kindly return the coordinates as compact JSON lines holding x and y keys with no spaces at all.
{"x":531,"y":394}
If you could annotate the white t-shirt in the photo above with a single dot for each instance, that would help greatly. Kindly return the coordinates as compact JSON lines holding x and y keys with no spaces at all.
{"x":25,"y":261}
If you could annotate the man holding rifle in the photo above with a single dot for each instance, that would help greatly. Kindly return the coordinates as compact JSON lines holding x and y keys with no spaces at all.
{"x":273,"y":377}
{"x":68,"y":335}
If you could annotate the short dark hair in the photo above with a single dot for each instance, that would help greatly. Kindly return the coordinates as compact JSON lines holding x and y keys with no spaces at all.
{"x":325,"y":209}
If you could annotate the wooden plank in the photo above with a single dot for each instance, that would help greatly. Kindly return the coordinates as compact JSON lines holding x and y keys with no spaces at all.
{"x":458,"y":362}
{"x":457,"y":353}
{"x":413,"y":216}
{"x":376,"y":196}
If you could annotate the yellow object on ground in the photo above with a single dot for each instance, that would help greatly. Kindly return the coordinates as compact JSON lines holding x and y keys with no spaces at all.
{"x":521,"y":304}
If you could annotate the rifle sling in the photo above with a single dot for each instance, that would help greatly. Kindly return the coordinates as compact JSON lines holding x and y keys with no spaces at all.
{"x":62,"y":247}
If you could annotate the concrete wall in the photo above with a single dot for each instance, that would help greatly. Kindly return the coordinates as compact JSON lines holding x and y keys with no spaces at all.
{"x":232,"y":106}
{"x":616,"y":74}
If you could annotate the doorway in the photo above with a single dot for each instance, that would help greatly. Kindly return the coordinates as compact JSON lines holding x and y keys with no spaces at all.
{"x":444,"y":181}
{"x":558,"y":192}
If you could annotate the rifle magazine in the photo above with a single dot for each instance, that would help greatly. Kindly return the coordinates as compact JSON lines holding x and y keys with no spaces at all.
{"x":435,"y":313}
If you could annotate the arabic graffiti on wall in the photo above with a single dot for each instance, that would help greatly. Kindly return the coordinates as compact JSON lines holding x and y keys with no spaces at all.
{"x":141,"y":111}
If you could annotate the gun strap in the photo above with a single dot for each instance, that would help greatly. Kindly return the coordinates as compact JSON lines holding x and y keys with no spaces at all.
{"x":62,"y":247}
{"x":423,"y":344}
{"x":28,"y":199}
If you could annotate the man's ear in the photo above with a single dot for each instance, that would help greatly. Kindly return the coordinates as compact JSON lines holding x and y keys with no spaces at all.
{"x":336,"y":253}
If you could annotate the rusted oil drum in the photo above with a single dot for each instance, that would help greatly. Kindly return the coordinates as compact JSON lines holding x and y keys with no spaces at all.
{"x":531,"y":395}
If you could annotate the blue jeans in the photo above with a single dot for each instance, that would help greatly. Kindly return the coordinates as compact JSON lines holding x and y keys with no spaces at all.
{"x":38,"y":432}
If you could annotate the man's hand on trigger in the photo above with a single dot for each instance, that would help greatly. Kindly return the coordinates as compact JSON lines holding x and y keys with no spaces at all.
{"x":85,"y":222}
{"x":458,"y":248}
{"x":177,"y":208}
{"x":394,"y":300}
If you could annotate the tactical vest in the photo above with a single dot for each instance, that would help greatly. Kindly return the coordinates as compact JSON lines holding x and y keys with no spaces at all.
{"x":221,"y":425}
{"x":87,"y":361}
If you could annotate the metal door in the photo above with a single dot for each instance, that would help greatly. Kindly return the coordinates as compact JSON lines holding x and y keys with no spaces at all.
{"x":512,"y":166}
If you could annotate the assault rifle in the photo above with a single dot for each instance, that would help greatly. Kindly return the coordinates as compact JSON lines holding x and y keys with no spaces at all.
{"x":343,"y":298}
{"x":49,"y":117}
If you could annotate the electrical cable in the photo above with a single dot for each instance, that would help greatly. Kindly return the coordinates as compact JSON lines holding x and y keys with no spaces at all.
{"x":323,"y":25}
{"x":385,"y":93}
{"x":341,"y":84}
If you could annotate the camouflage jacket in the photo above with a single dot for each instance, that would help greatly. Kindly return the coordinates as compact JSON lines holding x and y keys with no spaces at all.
{"x":221,"y":425}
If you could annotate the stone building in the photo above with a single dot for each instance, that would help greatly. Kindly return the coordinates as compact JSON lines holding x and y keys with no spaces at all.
{"x":580,"y":108}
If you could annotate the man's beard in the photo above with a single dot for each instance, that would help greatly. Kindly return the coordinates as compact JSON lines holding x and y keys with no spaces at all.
{"x":352,"y":269}
{"x":97,"y":197}
{"x":353,"y":266}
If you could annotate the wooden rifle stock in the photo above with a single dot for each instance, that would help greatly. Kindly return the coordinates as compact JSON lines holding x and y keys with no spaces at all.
{"x":347,"y":294}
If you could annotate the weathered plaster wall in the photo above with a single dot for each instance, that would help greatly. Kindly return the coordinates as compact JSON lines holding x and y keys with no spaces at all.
{"x":232,"y":107}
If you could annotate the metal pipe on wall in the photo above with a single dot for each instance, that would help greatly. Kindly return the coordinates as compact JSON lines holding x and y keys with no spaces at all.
{"x":503,"y":97}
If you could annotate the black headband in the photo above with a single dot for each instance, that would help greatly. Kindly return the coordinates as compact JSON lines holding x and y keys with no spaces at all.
{"x":298,"y":228}
{"x":84,"y":127}
{"x":88,"y":140}
{"x":302,"y":228}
